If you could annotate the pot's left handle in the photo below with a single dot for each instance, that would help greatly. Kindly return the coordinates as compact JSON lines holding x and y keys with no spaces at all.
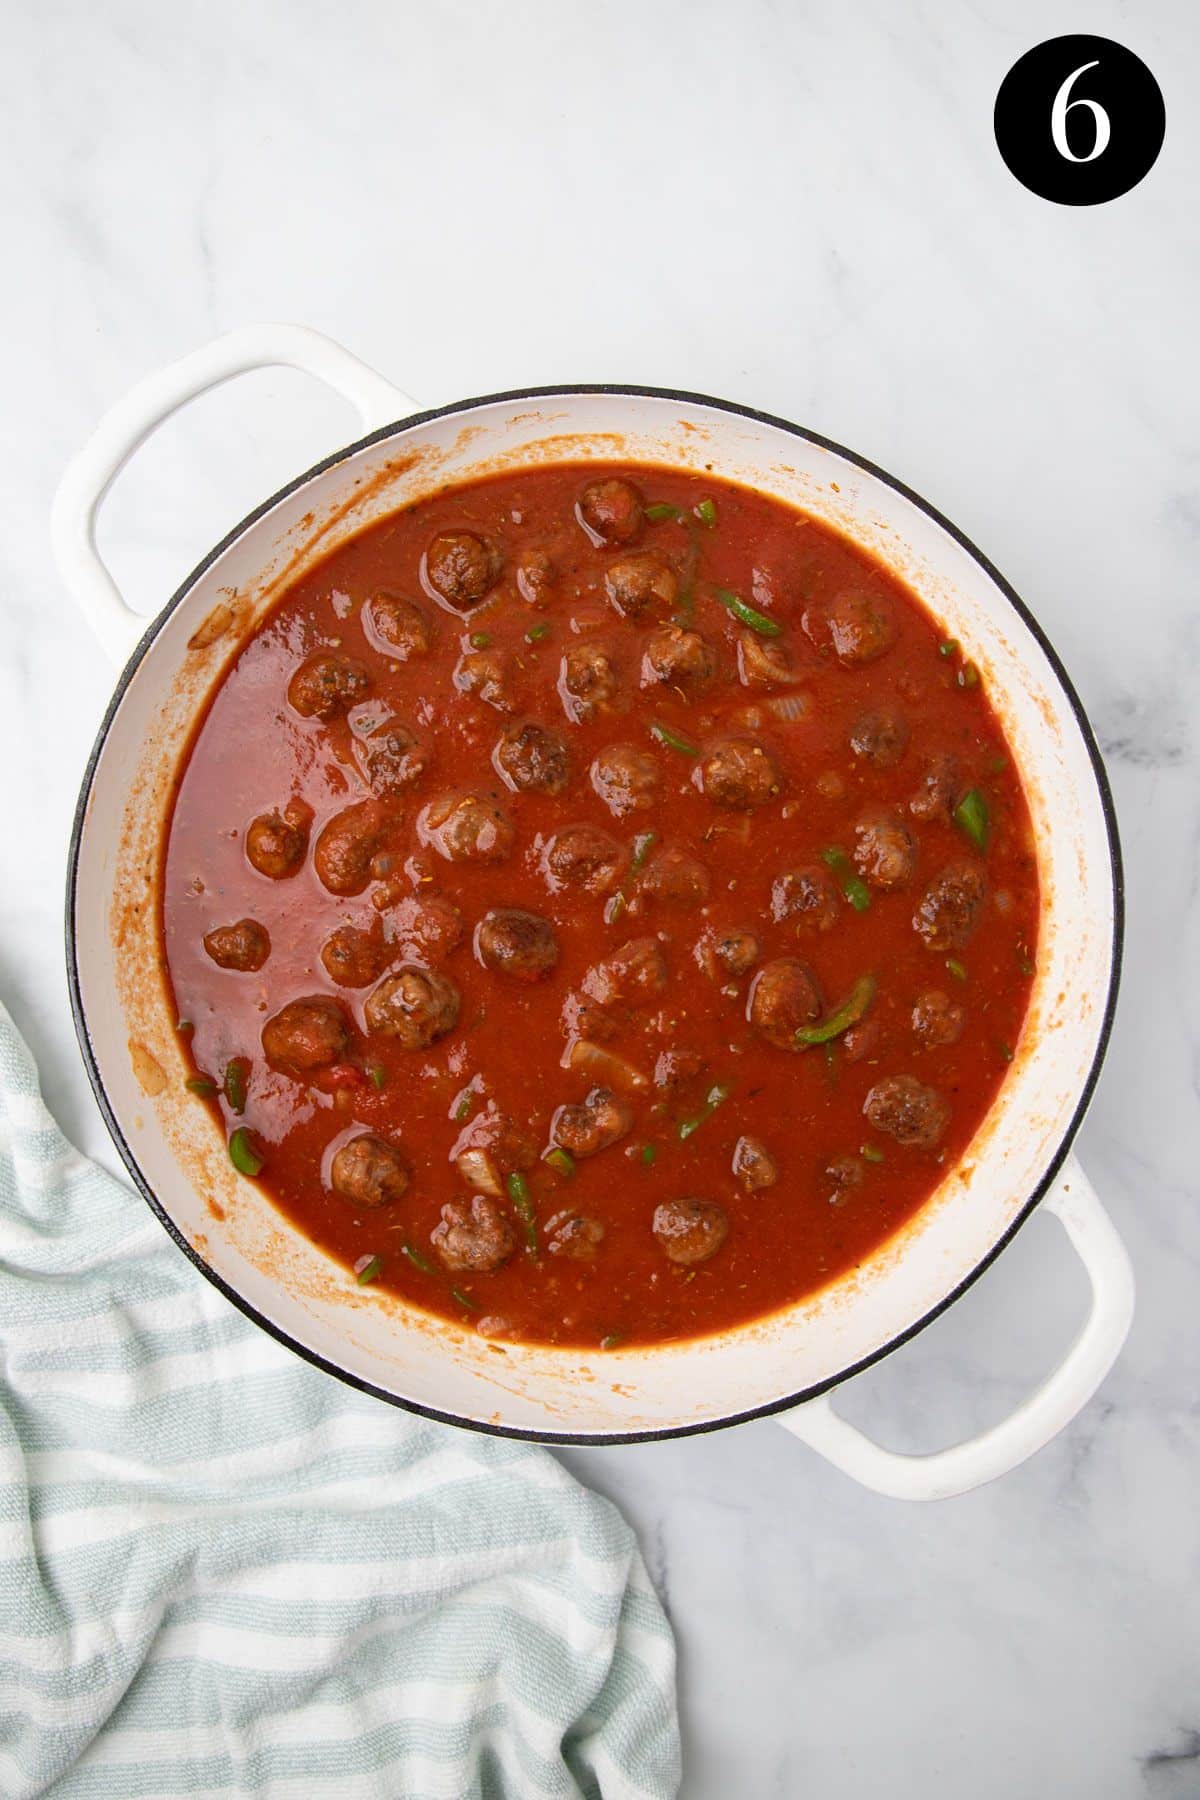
{"x":130,"y":422}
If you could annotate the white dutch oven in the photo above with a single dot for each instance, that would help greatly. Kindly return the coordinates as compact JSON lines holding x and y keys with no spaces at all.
{"x":786,"y":1364}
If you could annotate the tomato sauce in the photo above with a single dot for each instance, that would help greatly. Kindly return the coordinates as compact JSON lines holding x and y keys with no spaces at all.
{"x":865,"y":844}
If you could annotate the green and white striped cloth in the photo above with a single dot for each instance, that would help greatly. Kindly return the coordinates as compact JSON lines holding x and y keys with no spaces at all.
{"x":221,"y":1572}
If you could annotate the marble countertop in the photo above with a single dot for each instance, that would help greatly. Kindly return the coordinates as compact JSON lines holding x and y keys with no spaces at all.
{"x":800,"y":208}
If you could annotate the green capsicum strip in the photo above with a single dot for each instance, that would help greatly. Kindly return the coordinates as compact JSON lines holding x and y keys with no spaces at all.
{"x":235,"y":1083}
{"x":973,"y":819}
{"x":242,"y":1154}
{"x":369,"y":1270}
{"x":417,"y":1260}
{"x":661,"y":509}
{"x":717,"y":1095}
{"x":672,"y":739}
{"x":854,"y":888}
{"x":749,"y":615}
{"x":851,"y":1010}
{"x":561,"y":1161}
{"x":522,"y":1199}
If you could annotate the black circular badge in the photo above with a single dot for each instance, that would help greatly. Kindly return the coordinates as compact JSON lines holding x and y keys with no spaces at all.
{"x":1079,"y":120}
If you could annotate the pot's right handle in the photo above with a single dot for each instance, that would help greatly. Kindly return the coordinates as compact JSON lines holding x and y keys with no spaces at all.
{"x":130,"y":422}
{"x":1074,"y":1203}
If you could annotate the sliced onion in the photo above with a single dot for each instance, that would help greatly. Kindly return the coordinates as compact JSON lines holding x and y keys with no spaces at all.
{"x":605,"y":1065}
{"x":480,"y":1172}
{"x":790,"y":707}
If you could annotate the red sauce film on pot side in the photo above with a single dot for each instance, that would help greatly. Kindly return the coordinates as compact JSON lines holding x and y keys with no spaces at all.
{"x":601,"y":904}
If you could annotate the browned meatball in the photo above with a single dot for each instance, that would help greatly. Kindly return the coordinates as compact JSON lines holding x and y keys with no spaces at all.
{"x":610,"y":511}
{"x":934,"y":798}
{"x":950,"y":906}
{"x":537,"y":578}
{"x":391,"y":759}
{"x":738,"y":773}
{"x":533,"y":759}
{"x":596,"y":1124}
{"x":861,"y":627}
{"x":474,"y":1236}
{"x":397,"y":626}
{"x":907,"y":1110}
{"x":575,"y":1235}
{"x":427,"y":927}
{"x":516,"y":943}
{"x":728,"y":952}
{"x":343,"y":851}
{"x":584,"y":1017}
{"x":884,"y":851}
{"x":763,"y":662}
{"x":326,"y":685}
{"x":636,"y":972}
{"x":368,"y":1171}
{"x":413,"y":1004}
{"x":460,"y":567}
{"x":678,"y":658}
{"x":496,"y":1135}
{"x":673,"y":876}
{"x":625,"y":778}
{"x":244,"y":946}
{"x":807,"y":895}
{"x":675,"y":1069}
{"x":937,"y":1019}
{"x":783,"y":997}
{"x":466,"y":828}
{"x":633,"y":583}
{"x":306,"y":1034}
{"x":352,"y":957}
{"x":277,"y":842}
{"x":753,"y":1164}
{"x":690,"y":1231}
{"x":588,"y":681}
{"x":880,"y":737}
{"x":488,"y":675}
{"x":582,"y":856}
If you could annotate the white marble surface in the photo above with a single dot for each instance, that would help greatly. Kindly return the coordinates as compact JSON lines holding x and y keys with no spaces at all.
{"x":799,"y":207}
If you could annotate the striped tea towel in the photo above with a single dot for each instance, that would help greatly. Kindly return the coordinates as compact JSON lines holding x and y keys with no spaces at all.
{"x":221,"y":1572}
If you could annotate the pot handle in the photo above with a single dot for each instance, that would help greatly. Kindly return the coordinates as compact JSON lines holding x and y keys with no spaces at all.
{"x":1074,"y":1203}
{"x":130,"y":422}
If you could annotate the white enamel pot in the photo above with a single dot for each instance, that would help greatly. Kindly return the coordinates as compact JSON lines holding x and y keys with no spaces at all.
{"x":789,"y":1363}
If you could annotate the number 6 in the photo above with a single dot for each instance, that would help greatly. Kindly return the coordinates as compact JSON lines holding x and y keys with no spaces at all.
{"x":1058,"y":119}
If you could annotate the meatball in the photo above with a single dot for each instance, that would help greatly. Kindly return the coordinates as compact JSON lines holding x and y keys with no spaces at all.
{"x":325,"y":686}
{"x":884,"y":851}
{"x":753,"y":1164}
{"x":474,"y":1236}
{"x":905,"y":1109}
{"x":842,"y":1173}
{"x":588,"y":682}
{"x":277,"y":842}
{"x":690,"y":1231}
{"x":678,"y":658}
{"x":396,"y":626}
{"x":488,"y":675}
{"x":738,"y":773}
{"x":783,"y":997}
{"x":582,"y":856}
{"x":391,"y":759}
{"x":368,"y":1171}
{"x":610,"y":511}
{"x":427,"y":927}
{"x":625,"y":778}
{"x":496,"y":1135}
{"x":633,"y":583}
{"x":352,"y":957}
{"x":466,"y":828}
{"x":533,"y":759}
{"x":636,"y":972}
{"x":537,"y":578}
{"x":460,"y":567}
{"x":347,"y":843}
{"x":675,"y":1069}
{"x":763,"y":662}
{"x":937,"y":1019}
{"x":880,"y":737}
{"x":306,"y":1034}
{"x":861,"y":626}
{"x":575,"y":1235}
{"x":807,"y":895}
{"x":413,"y":1004}
{"x":583,"y":1017}
{"x":599,"y":1122}
{"x":516,"y":943}
{"x":950,"y":906}
{"x":727,"y":953}
{"x":674,"y":876}
{"x":934,"y":798}
{"x":244,"y":946}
